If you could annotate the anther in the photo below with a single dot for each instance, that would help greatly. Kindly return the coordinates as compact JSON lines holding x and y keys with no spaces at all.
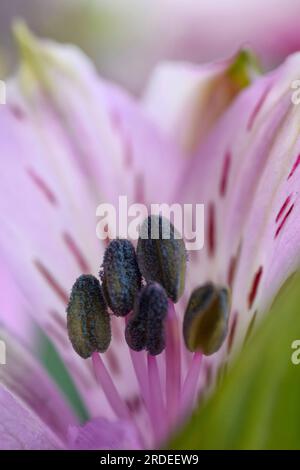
{"x":162,"y":256}
{"x":120,"y":275}
{"x":88,"y":321}
{"x":205,"y":323}
{"x":146,"y":328}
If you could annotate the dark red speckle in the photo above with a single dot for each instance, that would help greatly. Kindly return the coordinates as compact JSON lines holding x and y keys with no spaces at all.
{"x":232,"y":332}
{"x":76,"y":252}
{"x":52,"y":282}
{"x":279,"y":228}
{"x":225,"y":175}
{"x":42,"y":186}
{"x":231,"y":271}
{"x":282,"y":209}
{"x":254,"y":286}
{"x":294,"y":168}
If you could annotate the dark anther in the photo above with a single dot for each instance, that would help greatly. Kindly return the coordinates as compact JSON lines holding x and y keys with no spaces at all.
{"x":120,"y":275}
{"x":161,"y":255}
{"x":88,"y":321}
{"x":146,"y":327}
{"x":205,"y":322}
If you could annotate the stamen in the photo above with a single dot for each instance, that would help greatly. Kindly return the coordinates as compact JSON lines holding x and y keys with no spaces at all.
{"x":121,"y":278}
{"x":205,"y":322}
{"x":88,"y":321}
{"x":140,"y":369}
{"x":173,"y":365}
{"x":146,"y":329}
{"x":161,"y":255}
{"x":156,"y":405}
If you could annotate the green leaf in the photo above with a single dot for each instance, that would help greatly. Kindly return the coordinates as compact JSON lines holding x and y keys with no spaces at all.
{"x":257,"y":406}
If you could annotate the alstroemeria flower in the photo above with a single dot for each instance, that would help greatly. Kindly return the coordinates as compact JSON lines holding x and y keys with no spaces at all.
{"x":70,"y":141}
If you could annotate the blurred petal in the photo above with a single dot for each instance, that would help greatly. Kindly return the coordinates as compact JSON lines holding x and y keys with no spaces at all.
{"x":102,"y":434}
{"x":23,"y":376}
{"x":113,"y":143}
{"x":186,"y":100}
{"x":20,"y":429}
{"x":138,"y":32}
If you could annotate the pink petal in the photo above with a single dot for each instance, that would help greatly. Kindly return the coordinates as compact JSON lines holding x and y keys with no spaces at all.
{"x":12,"y":308}
{"x":102,"y":434}
{"x":21,"y":429}
{"x":21,"y":374}
{"x":246,"y":174}
{"x":186,"y":100}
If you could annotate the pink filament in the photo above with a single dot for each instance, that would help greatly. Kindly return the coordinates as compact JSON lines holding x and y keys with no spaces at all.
{"x":179,"y":400}
{"x":140,"y":369}
{"x":156,"y":405}
{"x":173,"y":365}
{"x":190,"y":384}
{"x":104,"y":379}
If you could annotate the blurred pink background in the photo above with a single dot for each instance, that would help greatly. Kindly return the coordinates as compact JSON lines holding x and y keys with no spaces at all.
{"x":126,"y":38}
